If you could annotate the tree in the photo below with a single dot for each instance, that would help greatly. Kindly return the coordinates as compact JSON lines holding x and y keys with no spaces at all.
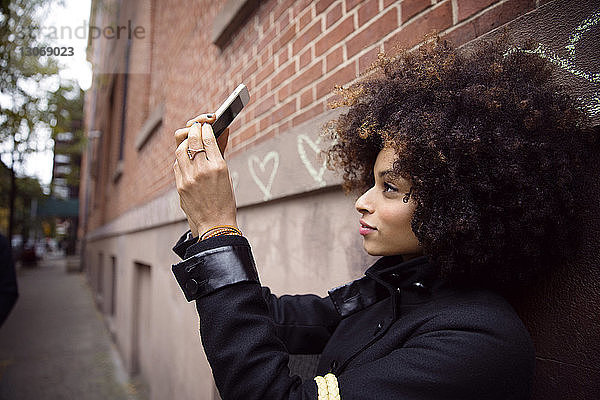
{"x":66,"y":105}
{"x":25,"y":84}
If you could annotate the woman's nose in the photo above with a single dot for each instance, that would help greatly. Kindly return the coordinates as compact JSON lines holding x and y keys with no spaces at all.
{"x":363,"y":204}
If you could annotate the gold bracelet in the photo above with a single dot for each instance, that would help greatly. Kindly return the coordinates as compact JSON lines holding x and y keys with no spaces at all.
{"x":222,"y":232}
{"x":219,"y":230}
{"x":229,"y":228}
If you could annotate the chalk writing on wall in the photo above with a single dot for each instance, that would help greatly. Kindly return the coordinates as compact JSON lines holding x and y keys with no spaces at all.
{"x":254,"y":160}
{"x":235,"y":180}
{"x":568,"y":64}
{"x":316,"y":175}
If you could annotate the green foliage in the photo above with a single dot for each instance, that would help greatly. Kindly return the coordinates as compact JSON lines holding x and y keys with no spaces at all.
{"x":32,"y":99}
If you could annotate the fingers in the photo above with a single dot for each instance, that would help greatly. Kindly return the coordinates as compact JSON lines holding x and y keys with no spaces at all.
{"x":210,"y":143}
{"x":178,"y":175}
{"x":181,"y":135}
{"x":202,"y":118}
{"x":195,"y":137}
{"x":181,"y":155}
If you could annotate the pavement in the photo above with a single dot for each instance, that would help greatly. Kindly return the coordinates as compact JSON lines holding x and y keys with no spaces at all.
{"x":55,"y":345}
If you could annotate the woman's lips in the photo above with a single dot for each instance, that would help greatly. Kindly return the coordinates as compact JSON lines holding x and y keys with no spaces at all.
{"x":365,"y":231}
{"x":365,"y":228}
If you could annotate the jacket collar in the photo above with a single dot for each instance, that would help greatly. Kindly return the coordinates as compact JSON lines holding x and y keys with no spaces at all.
{"x":390,"y":275}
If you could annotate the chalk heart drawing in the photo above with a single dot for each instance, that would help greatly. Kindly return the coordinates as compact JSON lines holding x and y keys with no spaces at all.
{"x":235,"y":179}
{"x":253,"y":160}
{"x":569,"y":64}
{"x":316,"y":175}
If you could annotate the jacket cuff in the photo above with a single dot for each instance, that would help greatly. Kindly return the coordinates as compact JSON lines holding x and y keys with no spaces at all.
{"x":216,"y":267}
{"x":185,"y":241}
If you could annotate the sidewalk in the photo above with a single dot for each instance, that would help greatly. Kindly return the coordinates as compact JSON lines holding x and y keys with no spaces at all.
{"x":54,"y":344}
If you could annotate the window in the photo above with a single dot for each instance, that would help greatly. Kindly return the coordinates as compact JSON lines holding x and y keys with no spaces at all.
{"x":113,"y":286}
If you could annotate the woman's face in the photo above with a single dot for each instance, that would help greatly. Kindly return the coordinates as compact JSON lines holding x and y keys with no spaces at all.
{"x":383,"y":210}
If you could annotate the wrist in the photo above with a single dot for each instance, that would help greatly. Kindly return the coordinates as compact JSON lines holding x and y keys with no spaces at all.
{"x":219,"y":230}
{"x":192,"y":226}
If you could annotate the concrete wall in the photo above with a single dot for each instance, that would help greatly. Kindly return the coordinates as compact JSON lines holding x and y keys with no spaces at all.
{"x":156,"y":331}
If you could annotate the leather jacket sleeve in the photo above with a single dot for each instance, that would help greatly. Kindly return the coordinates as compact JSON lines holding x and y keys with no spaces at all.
{"x":303,"y":322}
{"x":237,"y":324}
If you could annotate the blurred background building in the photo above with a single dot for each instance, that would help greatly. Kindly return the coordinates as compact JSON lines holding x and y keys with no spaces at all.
{"x":177,"y":59}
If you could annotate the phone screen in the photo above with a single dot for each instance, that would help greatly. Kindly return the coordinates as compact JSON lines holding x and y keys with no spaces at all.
{"x":228,"y":116}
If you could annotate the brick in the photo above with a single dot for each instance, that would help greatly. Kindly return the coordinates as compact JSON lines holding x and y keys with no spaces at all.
{"x":367,"y":59}
{"x":237,"y":69}
{"x":312,"y":112}
{"x":341,"y":77}
{"x":235,"y":125}
{"x":250,"y":113}
{"x":306,"y":98}
{"x":266,"y":104}
{"x":438,"y":18}
{"x":373,"y":33}
{"x":305,"y":58}
{"x":264,"y":137}
{"x":282,"y":9}
{"x":264,"y":123}
{"x":264,"y":57}
{"x":307,"y":77}
{"x":264,"y":11}
{"x":284,"y":74}
{"x":322,"y":5}
{"x":304,"y":19}
{"x":301,"y":6}
{"x":491,"y":19}
{"x":287,"y":35}
{"x":283,"y":24}
{"x":367,"y":11}
{"x":350,"y":4}
{"x":250,"y":70}
{"x":265,"y":71}
{"x":267,"y":38}
{"x":247,"y":133}
{"x":308,"y":36}
{"x":284,"y":92}
{"x":411,"y":8}
{"x":335,"y":36}
{"x":334,"y":59}
{"x":333,"y":15}
{"x":282,"y":57}
{"x":283,"y":111}
{"x":466,"y":8}
{"x":284,"y":127}
{"x":262,"y":90}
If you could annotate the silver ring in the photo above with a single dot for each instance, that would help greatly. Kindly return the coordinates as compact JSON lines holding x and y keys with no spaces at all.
{"x":192,"y":152}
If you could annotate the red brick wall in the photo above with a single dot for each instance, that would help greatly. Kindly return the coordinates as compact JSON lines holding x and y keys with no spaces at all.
{"x":289,"y":53}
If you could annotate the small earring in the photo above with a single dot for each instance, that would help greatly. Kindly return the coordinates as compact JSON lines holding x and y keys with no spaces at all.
{"x":407,"y":195}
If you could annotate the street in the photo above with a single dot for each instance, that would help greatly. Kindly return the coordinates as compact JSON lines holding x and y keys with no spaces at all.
{"x":54,"y":344}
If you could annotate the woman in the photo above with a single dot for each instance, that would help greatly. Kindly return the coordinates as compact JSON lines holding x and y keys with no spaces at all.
{"x":466,"y":162}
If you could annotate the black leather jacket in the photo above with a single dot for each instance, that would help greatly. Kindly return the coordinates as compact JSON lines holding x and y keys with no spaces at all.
{"x":398,"y":332}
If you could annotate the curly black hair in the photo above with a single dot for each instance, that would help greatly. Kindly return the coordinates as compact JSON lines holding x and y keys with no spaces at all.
{"x":492,"y":146}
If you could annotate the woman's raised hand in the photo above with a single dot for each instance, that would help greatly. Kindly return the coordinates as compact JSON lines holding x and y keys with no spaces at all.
{"x":182,"y":134}
{"x":202,"y":178}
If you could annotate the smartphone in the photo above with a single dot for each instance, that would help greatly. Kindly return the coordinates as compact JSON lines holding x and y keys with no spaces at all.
{"x":230,"y":109}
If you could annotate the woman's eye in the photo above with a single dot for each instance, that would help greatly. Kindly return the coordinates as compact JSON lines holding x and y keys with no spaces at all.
{"x":389,"y":188}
